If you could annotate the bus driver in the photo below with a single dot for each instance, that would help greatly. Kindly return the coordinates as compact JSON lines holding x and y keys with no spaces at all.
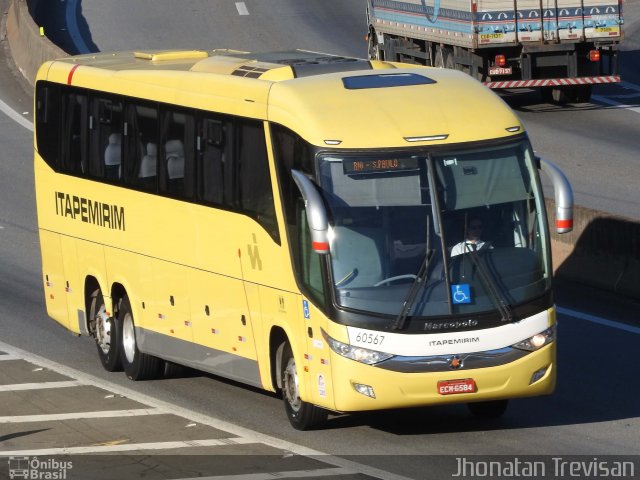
{"x":473,"y":240}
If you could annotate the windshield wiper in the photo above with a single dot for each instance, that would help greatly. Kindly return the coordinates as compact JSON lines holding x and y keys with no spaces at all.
{"x":410,"y":298}
{"x":490,"y":284}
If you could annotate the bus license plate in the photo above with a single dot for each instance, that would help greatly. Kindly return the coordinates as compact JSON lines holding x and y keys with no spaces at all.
{"x":452,"y":387}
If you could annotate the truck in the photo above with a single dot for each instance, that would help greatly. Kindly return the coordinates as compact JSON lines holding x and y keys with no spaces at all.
{"x":562,"y":47}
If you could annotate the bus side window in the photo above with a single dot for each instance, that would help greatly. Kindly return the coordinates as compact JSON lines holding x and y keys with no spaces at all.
{"x":253,"y":193}
{"x":105,"y":139}
{"x":177,"y":170}
{"x":141,"y":131}
{"x":48,"y":122}
{"x":215,"y":157}
{"x":75,"y":133}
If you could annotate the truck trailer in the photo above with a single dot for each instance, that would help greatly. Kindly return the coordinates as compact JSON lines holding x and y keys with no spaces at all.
{"x":563,"y":47}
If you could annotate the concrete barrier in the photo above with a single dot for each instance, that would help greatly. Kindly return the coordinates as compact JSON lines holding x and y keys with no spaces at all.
{"x":602,"y":251}
{"x":28,"y":49}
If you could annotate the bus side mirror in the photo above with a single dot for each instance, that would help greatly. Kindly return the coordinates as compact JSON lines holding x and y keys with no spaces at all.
{"x":563,"y":195}
{"x":316,"y":213}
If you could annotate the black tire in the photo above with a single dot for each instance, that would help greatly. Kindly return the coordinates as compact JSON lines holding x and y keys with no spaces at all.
{"x":491,"y":409}
{"x":448,"y":59}
{"x":561,"y":95}
{"x":107,"y":332}
{"x":137,"y":365}
{"x":302,"y":415}
{"x":438,"y":57}
{"x":582,"y":93}
{"x":546,"y":94}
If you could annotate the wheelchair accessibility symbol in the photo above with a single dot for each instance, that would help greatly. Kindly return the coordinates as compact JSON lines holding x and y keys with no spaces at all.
{"x":461,"y":293}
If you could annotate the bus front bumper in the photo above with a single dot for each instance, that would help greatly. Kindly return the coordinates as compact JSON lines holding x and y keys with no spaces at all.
{"x":360,"y":387}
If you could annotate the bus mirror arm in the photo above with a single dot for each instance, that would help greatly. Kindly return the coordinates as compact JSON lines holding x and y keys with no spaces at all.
{"x":316,"y":213}
{"x":563,"y":195}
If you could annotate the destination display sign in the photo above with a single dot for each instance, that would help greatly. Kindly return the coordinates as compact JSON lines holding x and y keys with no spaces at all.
{"x":379,"y":165}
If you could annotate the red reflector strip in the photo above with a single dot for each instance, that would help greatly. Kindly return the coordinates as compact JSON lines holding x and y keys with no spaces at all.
{"x":70,"y":77}
{"x":320,"y":246}
{"x":564,"y":223}
{"x":553,"y":82}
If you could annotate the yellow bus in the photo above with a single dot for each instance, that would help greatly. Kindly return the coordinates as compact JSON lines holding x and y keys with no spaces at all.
{"x":300,"y":222}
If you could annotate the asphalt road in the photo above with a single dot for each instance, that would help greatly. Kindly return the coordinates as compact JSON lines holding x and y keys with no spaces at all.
{"x":595,"y":410}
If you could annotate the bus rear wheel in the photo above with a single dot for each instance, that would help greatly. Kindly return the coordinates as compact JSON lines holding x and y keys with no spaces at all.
{"x":107,"y":332}
{"x":491,"y":409}
{"x":137,"y":365}
{"x":302,"y":415}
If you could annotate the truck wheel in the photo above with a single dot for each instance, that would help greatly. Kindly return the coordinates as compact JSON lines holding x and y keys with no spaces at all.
{"x":491,"y":409}
{"x":302,"y":415}
{"x":107,"y":332}
{"x":137,"y":365}
{"x":559,"y":95}
{"x":582,"y":93}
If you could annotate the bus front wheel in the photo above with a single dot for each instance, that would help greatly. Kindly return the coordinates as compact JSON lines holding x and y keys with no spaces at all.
{"x":107,"y":331}
{"x":137,"y":365}
{"x":302,"y":415}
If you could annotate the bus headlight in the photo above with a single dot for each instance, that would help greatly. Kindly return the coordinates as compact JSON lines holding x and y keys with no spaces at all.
{"x":359,"y":354}
{"x":538,"y":341}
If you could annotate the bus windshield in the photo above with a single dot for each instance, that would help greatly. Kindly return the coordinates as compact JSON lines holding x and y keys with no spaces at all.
{"x":475,"y":213}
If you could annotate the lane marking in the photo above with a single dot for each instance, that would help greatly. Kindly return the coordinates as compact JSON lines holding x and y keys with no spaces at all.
{"x":242,"y":8}
{"x":321,"y":472}
{"x":249,"y":435}
{"x":127,"y":447}
{"x":39,"y":386}
{"x":598,"y":320}
{"x":81,"y":415}
{"x":9,"y":357}
{"x":15,"y":116}
{"x":630,"y":86}
{"x":608,"y":101}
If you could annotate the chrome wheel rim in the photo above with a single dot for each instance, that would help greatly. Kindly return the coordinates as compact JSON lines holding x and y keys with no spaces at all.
{"x":103,"y":330}
{"x":128,"y":338}
{"x":290,"y":385}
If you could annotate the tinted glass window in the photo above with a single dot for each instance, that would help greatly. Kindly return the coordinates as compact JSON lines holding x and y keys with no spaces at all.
{"x":75,"y":134}
{"x":48,"y":119}
{"x":105,"y":161}
{"x":177,"y":162}
{"x":140,"y":167}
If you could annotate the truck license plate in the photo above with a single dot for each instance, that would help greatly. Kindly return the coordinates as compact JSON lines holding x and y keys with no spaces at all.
{"x":452,"y":387}
{"x":493,"y":71}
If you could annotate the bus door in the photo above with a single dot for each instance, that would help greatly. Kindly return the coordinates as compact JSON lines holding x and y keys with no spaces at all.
{"x":222,"y":324}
